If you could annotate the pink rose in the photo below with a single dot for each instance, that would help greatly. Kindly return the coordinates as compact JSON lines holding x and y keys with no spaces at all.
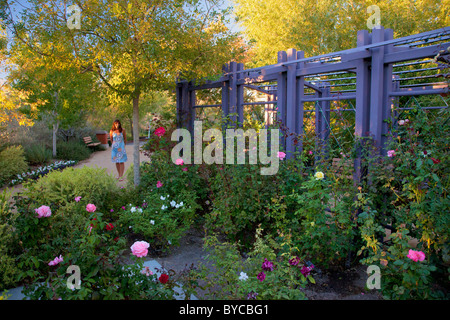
{"x":139,"y":249}
{"x":147,"y":271}
{"x":77,"y":199}
{"x":185,"y":169}
{"x":91,"y":208}
{"x":391,"y":153}
{"x":281,"y":155}
{"x":160,"y":131}
{"x":416,"y":255}
{"x":159,"y":184}
{"x":55,"y":261}
{"x":179,"y":162}
{"x":43,"y":212}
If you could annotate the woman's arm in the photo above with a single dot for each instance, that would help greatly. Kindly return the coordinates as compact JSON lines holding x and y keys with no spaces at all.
{"x":124,"y":136}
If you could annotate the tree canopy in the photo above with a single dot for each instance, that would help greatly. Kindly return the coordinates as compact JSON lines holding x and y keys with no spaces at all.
{"x":132,"y":46}
{"x":324,"y":26}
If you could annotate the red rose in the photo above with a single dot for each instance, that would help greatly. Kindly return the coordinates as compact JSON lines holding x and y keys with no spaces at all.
{"x":435,"y":161}
{"x":160,"y":131}
{"x":109,"y":226}
{"x":163,"y":278}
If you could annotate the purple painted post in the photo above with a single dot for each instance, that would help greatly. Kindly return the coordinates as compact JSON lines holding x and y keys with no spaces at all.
{"x":299,"y":103}
{"x":232,"y":111}
{"x":376,"y":87}
{"x":191,"y":110}
{"x":185,"y":106}
{"x":225,"y":101}
{"x":323,"y":113}
{"x":178,"y":92}
{"x":240,"y":97}
{"x":387,"y":88}
{"x":291,"y":102}
{"x":362,"y":104}
{"x":395,"y":100}
{"x":281,"y":97}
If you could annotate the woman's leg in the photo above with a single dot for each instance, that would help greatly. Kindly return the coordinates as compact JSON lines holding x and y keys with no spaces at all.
{"x":118,"y":169}
{"x":121,"y":169}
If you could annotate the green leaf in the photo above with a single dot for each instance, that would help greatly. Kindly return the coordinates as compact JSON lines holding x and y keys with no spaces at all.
{"x":35,"y":261}
{"x":398,"y":262}
{"x":435,"y":177}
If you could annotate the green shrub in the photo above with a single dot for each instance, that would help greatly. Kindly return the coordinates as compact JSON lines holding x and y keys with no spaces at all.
{"x":408,"y":194}
{"x":7,"y":260}
{"x":173,"y":178}
{"x":41,"y":238}
{"x":37,"y":154}
{"x":93,"y":185}
{"x":327,"y":221}
{"x":162,"y":218}
{"x":98,"y":253}
{"x":72,"y":150}
{"x":12,"y":163}
{"x":272,"y":271}
{"x":243,"y":199}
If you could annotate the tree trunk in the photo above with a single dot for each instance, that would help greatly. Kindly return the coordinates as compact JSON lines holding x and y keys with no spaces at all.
{"x":55,"y":130}
{"x":136,"y":153}
{"x":55,"y":124}
{"x":131,"y":124}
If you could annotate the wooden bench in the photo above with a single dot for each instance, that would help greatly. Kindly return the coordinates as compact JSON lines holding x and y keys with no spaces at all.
{"x":88,"y":141}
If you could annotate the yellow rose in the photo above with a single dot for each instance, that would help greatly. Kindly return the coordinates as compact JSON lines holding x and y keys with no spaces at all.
{"x":319,"y":175}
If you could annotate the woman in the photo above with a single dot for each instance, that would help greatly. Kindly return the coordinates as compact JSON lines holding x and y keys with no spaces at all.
{"x":118,"y":153}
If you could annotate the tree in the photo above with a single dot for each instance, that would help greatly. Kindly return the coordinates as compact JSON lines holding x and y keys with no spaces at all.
{"x":134,"y":46}
{"x":10,"y":100}
{"x":58,"y":93}
{"x":324,"y":26}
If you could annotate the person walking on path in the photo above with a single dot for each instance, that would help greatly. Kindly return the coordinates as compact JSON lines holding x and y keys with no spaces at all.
{"x":118,"y":153}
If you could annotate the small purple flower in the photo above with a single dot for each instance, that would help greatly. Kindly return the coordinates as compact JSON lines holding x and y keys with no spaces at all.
{"x":267,"y":265}
{"x":261,"y":276}
{"x":294,"y":261}
{"x":252,"y":296}
{"x":306,"y":270}
{"x":112,"y":210}
{"x":123,"y":207}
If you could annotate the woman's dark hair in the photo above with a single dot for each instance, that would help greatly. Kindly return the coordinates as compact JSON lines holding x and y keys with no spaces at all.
{"x":119,"y":126}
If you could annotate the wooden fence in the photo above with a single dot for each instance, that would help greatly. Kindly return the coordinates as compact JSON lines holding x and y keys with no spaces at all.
{"x":374,"y":86}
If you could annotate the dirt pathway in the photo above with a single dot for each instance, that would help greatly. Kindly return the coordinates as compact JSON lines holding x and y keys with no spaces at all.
{"x":100,"y":159}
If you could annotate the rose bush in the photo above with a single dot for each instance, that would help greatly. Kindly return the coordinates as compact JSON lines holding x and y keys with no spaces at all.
{"x":268,"y":271}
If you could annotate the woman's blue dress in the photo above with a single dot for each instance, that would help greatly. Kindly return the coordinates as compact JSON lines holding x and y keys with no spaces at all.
{"x":118,"y":153}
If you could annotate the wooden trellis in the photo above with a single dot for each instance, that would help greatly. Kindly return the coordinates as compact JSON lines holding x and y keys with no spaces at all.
{"x":374,"y":85}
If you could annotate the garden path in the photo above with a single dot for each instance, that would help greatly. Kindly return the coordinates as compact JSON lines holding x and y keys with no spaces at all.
{"x":102,"y":159}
